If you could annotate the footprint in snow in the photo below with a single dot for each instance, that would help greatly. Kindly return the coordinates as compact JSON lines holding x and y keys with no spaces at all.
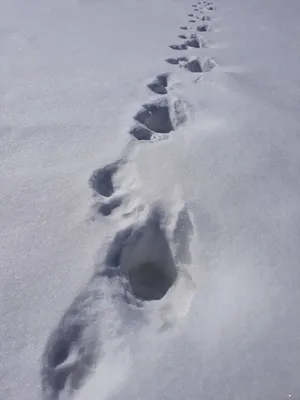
{"x":206,"y":18}
{"x":102,"y":183}
{"x":108,"y":208}
{"x":162,"y":116}
{"x":193,"y":41}
{"x":196,"y":42}
{"x":160,"y":84}
{"x":108,"y":185}
{"x":149,"y":257}
{"x":207,"y":65}
{"x":177,"y":60}
{"x":181,"y":46}
{"x":102,"y":180}
{"x":146,"y":262}
{"x":193,"y":64}
{"x":203,"y":27}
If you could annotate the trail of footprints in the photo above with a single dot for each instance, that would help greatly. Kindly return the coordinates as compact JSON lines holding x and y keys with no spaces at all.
{"x":148,"y":259}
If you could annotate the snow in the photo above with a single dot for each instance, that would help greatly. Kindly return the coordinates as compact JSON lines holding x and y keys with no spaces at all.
{"x":149,"y":200}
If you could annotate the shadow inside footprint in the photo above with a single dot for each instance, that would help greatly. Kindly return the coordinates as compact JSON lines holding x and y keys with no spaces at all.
{"x":102,"y":180}
{"x":140,"y":132}
{"x":156,"y":117}
{"x":181,"y":46}
{"x":176,"y":61}
{"x":106,"y":209}
{"x":203,"y":27}
{"x":206,"y":18}
{"x":145,"y":258}
{"x":148,"y":281}
{"x":61,"y":347}
{"x":161,"y":116}
{"x":193,"y":65}
{"x":68,"y":358}
{"x":160,"y":84}
{"x":139,"y":264}
{"x":183,"y":232}
{"x":193,"y":42}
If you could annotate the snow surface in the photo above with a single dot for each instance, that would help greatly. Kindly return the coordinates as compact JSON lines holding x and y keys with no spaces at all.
{"x":150,"y":199}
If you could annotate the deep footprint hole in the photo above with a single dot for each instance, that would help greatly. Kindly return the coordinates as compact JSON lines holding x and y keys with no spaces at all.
{"x":181,"y":46}
{"x":140,"y":132}
{"x":147,"y":260}
{"x":155,"y":117}
{"x":60,"y":353}
{"x":107,"y":209}
{"x":176,"y":61}
{"x":160,"y":84}
{"x":149,"y":281}
{"x":193,"y":66}
{"x":202,"y":28}
{"x":102,"y":180}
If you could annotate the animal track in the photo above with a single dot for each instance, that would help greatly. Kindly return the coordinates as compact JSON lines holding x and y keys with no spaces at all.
{"x":192,"y":21}
{"x":184,"y":28}
{"x":182,"y":36}
{"x":161,"y":116}
{"x":160,"y":84}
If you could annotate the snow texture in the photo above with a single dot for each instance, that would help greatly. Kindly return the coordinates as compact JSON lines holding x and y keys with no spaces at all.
{"x":150,"y":200}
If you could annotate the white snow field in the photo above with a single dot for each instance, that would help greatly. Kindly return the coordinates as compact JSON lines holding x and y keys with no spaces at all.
{"x":150,"y":199}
